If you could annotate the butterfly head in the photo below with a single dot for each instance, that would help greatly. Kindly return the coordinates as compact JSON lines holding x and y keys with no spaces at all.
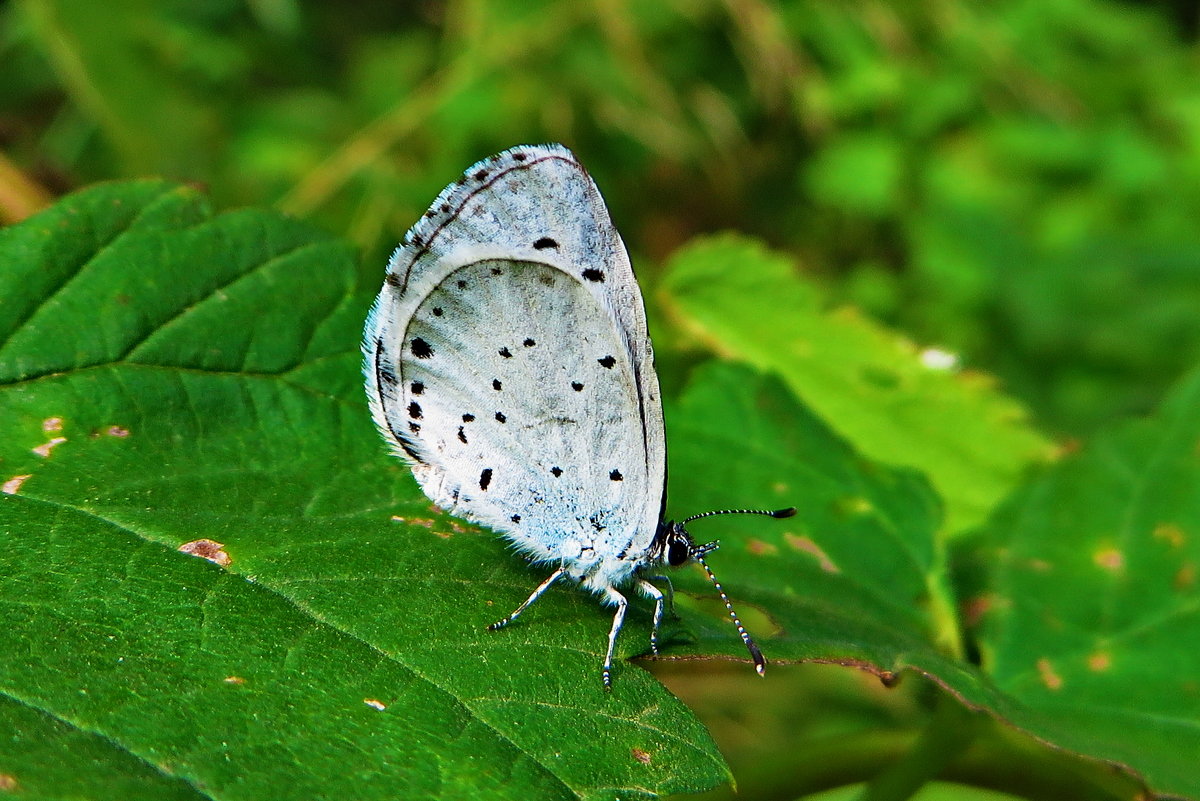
{"x":678,"y":547}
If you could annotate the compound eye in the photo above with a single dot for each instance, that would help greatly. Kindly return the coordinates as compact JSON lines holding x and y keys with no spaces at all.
{"x":677,"y":552}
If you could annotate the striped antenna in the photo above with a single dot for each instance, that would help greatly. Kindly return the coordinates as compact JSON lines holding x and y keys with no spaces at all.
{"x":698,"y":553}
{"x":778,"y":513}
{"x":760,"y":663}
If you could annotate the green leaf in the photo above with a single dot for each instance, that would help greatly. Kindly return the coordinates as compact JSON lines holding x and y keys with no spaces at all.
{"x":859,"y":578}
{"x":166,"y":377}
{"x":853,"y":577}
{"x":858,"y":173}
{"x":1088,"y":596}
{"x":867,"y":382}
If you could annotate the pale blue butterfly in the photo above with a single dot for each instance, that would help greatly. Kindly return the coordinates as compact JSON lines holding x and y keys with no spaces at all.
{"x":507,"y":361}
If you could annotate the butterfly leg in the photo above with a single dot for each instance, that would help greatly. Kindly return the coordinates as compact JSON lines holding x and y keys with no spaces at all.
{"x":651,"y":591}
{"x":670,"y":593}
{"x":613,"y":597}
{"x":541,"y":588}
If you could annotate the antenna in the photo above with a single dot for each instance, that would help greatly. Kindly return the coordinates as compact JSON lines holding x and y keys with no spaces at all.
{"x":760,"y":663}
{"x":776,"y":513}
{"x":698,"y":553}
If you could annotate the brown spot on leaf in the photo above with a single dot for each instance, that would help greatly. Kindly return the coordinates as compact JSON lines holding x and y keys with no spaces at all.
{"x":234,"y":680}
{"x":375,"y":704}
{"x":973,"y":609}
{"x":44,"y":449}
{"x":1099,"y":661}
{"x":1110,"y":559}
{"x":760,"y":548}
{"x":806,"y":545}
{"x":8,"y":783}
{"x":117,"y":431}
{"x":207,"y":549}
{"x":1064,"y":448}
{"x":1185,"y":576}
{"x":1170,"y":533}
{"x":1049,"y":678}
{"x":640,"y":755}
{"x":52,"y":424}
{"x":13,"y":485}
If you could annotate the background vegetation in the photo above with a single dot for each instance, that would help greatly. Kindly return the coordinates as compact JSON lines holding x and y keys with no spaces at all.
{"x":1016,"y":183}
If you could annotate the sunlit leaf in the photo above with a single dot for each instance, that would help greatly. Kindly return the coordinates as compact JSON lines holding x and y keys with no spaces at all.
{"x":893,"y":402}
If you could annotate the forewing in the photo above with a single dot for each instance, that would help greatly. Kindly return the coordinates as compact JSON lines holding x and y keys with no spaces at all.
{"x":508,"y":361}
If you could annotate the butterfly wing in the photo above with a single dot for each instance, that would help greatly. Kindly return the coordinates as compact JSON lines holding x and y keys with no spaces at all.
{"x":507,"y":360}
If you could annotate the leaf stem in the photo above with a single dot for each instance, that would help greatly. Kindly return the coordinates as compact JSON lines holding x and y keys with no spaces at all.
{"x":949,"y":733}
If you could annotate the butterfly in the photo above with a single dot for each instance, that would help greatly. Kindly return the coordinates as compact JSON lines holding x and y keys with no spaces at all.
{"x":507,"y":361}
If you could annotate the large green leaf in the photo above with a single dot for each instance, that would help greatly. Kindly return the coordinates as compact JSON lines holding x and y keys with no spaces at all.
{"x":169,"y":377}
{"x":871,"y":385}
{"x":1088,"y":600}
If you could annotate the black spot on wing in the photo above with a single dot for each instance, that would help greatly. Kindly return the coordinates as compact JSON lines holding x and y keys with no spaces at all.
{"x":437,"y":312}
{"x":529,"y":343}
{"x":414,"y":410}
{"x":607,"y":362}
{"x":515,"y":518}
{"x":394,"y":280}
{"x":500,"y":418}
{"x":506,"y":353}
{"x":592,"y":274}
{"x":485,"y":478}
{"x":420,"y":348}
{"x":462,"y":436}
{"x":496,"y":385}
{"x":616,"y":476}
{"x":545,"y":242}
{"x":468,"y":418}
{"x":575,"y":385}
{"x":556,"y":471}
{"x":416,"y":387}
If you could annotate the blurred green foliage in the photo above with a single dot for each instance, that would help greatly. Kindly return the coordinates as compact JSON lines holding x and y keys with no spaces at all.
{"x":1017,"y":180}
